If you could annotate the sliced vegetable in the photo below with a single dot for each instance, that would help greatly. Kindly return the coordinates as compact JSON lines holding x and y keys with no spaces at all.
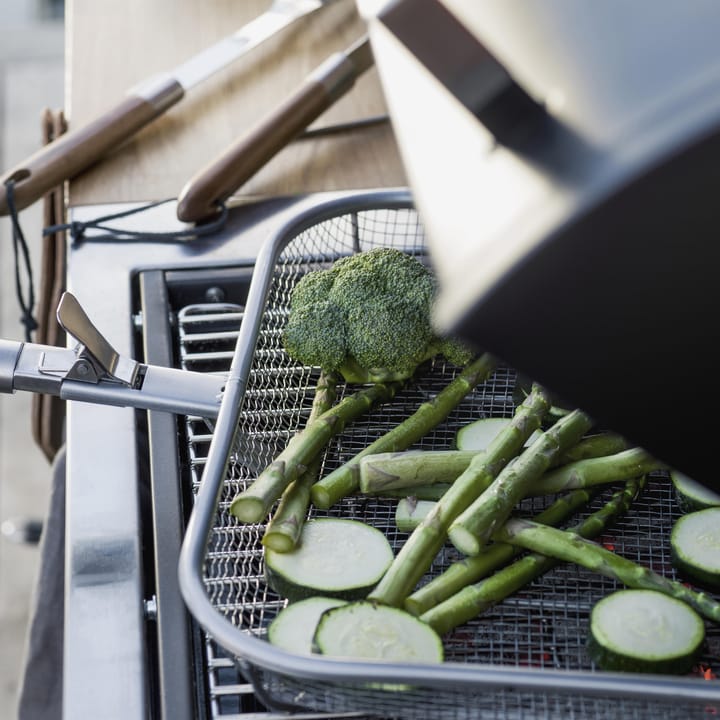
{"x":417,"y":554}
{"x":472,"y":529}
{"x":695,"y":547}
{"x":477,"y":435}
{"x":644,"y":631}
{"x":451,"y":610}
{"x":345,"y":479}
{"x":367,"y":630}
{"x":294,"y":626}
{"x":335,"y":558}
{"x":380,"y":472}
{"x":283,"y":530}
{"x":691,"y":495}
{"x":570,"y":547}
{"x":410,"y":512}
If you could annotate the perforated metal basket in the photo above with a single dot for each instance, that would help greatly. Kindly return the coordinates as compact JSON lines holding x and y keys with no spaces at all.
{"x":526,"y":657}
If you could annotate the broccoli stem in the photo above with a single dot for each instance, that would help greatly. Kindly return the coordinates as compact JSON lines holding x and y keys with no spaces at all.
{"x":253,"y":504}
{"x":283,"y":530}
{"x":471,"y":530}
{"x":571,"y":546}
{"x":471,"y":569}
{"x":419,"y":551}
{"x":475,"y":599}
{"x":345,"y":480}
{"x":383,"y":472}
{"x":629,"y":463}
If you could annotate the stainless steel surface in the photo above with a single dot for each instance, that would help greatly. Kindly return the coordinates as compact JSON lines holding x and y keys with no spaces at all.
{"x":74,"y":320}
{"x":526,"y":658}
{"x":9,"y":353}
{"x":280,"y":14}
{"x":105,"y":665}
{"x":163,"y":389}
{"x":69,"y":374}
{"x":333,"y":74}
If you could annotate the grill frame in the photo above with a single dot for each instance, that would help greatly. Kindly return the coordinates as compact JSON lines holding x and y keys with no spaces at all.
{"x":480,"y":690}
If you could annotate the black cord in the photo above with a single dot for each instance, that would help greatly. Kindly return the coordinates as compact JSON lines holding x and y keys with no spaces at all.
{"x":77,"y":228}
{"x":26,"y":298}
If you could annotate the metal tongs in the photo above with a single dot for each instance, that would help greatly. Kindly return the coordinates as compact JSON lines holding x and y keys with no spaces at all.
{"x":93,"y":371}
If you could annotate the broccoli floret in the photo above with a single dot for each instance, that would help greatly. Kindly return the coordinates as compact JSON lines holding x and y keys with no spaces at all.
{"x":367,"y":317}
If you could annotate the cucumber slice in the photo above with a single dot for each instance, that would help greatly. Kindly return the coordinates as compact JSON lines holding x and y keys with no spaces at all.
{"x":644,"y":631}
{"x":335,"y":557}
{"x":691,"y":495}
{"x":367,"y":630}
{"x":294,"y":626}
{"x":695,"y":547}
{"x":477,"y":435}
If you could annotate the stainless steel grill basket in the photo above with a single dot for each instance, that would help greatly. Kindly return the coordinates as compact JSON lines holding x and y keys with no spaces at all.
{"x":526,"y":657}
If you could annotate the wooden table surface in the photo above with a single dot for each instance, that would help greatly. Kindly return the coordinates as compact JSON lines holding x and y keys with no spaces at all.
{"x":113,"y":46}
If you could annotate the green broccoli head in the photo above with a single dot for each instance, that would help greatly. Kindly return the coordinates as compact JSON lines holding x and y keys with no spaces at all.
{"x":367,"y":317}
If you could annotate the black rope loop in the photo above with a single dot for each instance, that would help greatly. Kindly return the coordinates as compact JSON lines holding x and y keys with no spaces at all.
{"x":25,"y":296}
{"x":77,"y":228}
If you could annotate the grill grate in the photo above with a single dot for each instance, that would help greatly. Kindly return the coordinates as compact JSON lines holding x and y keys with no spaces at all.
{"x":542,"y":626}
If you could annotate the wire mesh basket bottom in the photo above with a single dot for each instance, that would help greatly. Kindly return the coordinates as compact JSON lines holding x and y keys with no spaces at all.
{"x":544,"y":626}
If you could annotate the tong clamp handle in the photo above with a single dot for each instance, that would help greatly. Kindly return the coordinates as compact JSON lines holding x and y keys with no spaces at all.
{"x":97,"y":358}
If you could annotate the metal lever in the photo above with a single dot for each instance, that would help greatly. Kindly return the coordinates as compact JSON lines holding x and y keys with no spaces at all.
{"x":104,"y":360}
{"x":95,"y":372}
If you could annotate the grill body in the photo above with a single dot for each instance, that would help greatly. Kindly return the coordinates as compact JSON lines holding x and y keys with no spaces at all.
{"x":223,"y":310}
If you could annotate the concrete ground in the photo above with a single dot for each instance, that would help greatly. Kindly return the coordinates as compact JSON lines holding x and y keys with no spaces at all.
{"x":31,"y":79}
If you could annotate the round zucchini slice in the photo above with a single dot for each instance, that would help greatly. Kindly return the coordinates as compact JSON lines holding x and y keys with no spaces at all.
{"x":294,"y":626}
{"x":335,"y":557}
{"x":477,"y":435}
{"x":644,"y":631}
{"x":691,"y":495}
{"x":695,"y":547}
{"x":366,"y":630}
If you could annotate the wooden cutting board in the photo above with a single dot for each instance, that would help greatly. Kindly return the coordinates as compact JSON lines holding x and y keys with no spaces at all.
{"x":112,"y":46}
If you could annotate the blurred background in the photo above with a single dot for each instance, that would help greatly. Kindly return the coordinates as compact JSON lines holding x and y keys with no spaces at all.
{"x":31,"y":79}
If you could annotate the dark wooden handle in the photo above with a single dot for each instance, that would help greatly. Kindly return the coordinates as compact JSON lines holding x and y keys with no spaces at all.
{"x":199,"y":198}
{"x":75,"y":151}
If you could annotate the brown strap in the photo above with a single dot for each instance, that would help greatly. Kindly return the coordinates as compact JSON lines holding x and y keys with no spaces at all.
{"x":48,"y":412}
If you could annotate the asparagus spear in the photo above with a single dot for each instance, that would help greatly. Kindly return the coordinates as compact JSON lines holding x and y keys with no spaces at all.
{"x":629,"y":463}
{"x":418,"y":552}
{"x":572,"y":547}
{"x":471,"y":569}
{"x":397,"y":470}
{"x":410,"y":512}
{"x":420,"y":492}
{"x":475,"y":599}
{"x":283,"y":531}
{"x":382,"y":472}
{"x":254,"y":503}
{"x":472,"y":529}
{"x":346,"y":479}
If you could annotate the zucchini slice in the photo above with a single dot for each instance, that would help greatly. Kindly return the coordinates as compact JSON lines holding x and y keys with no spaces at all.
{"x":691,"y":495}
{"x":367,"y":630}
{"x":644,"y":631}
{"x":695,"y":547}
{"x":335,"y":557}
{"x":477,"y":435}
{"x":294,"y":626}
